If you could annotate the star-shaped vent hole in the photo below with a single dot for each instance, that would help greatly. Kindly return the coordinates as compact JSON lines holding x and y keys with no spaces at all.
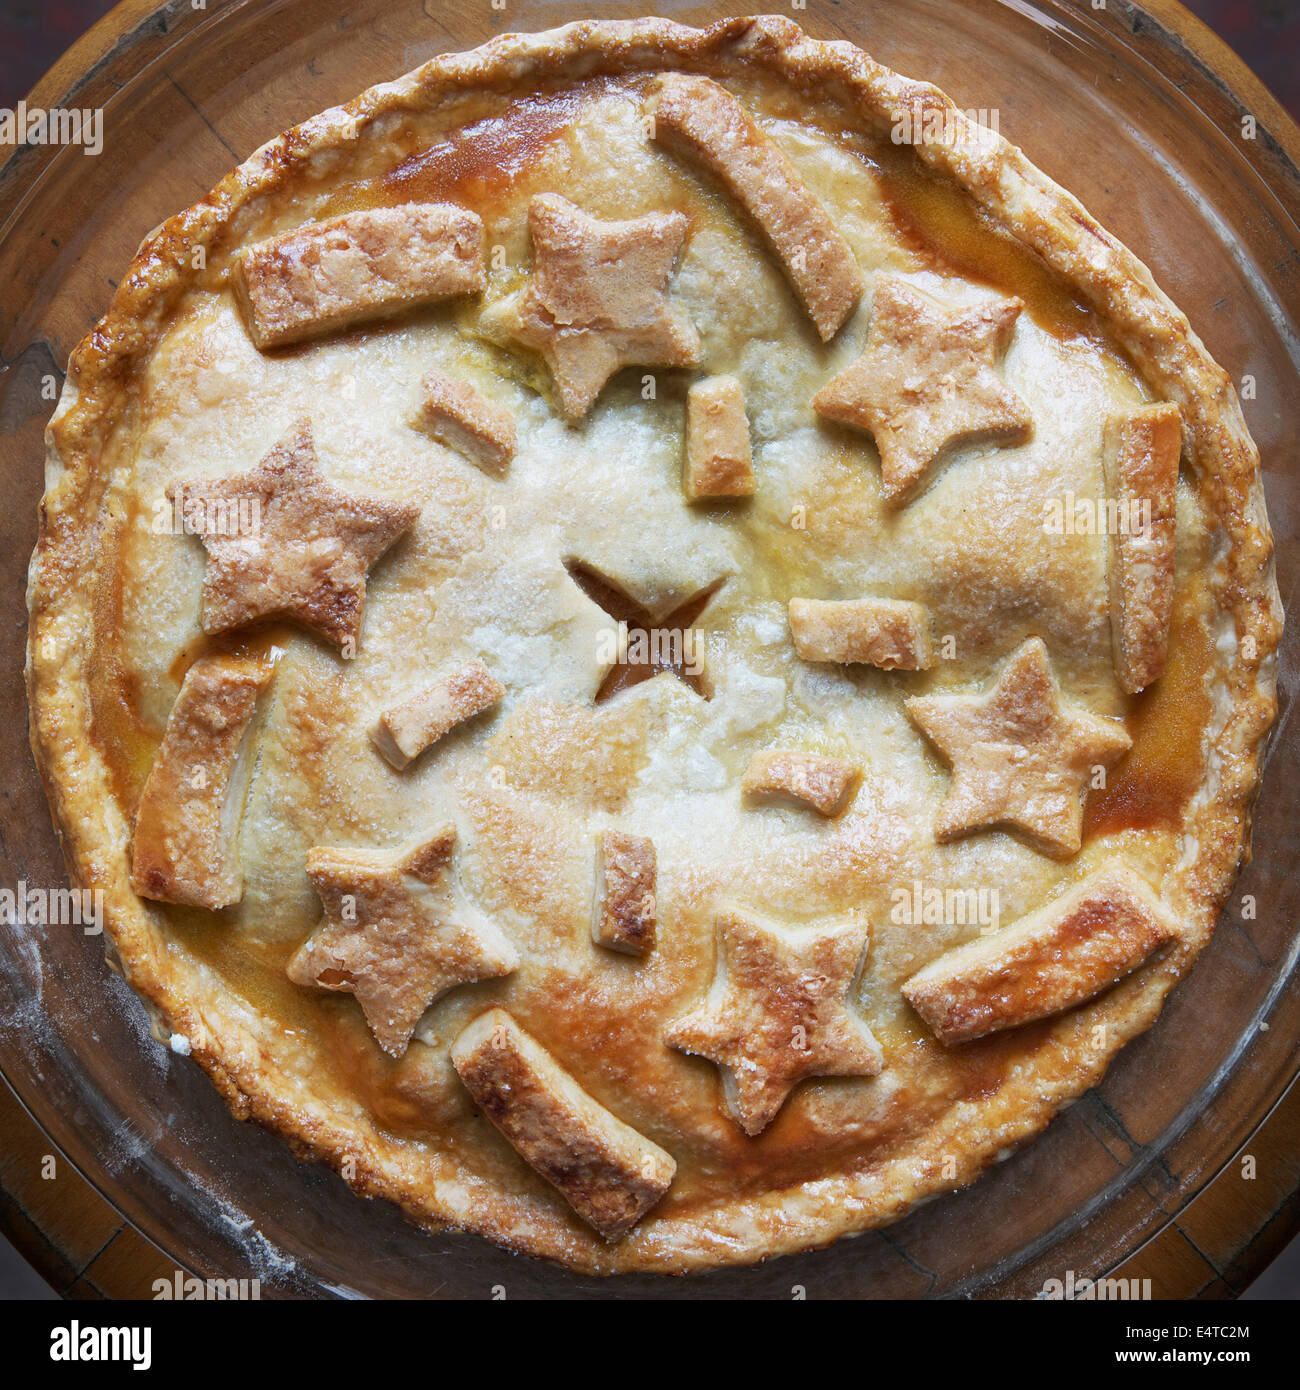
{"x":654,"y":644}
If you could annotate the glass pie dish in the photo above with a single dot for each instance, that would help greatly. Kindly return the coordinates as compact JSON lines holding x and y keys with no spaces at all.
{"x":1190,"y":181}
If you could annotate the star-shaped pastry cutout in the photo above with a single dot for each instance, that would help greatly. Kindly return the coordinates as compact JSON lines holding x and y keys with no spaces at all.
{"x":283,"y":542}
{"x":598,"y":297}
{"x":926,"y":381}
{"x":778,"y":1012}
{"x":394,"y":936}
{"x":1021,"y":755}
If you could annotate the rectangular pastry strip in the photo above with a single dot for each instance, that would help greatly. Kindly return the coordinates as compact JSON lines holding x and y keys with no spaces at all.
{"x":719,"y":458}
{"x":362,"y":265}
{"x":623,"y":917}
{"x":1140,"y":453}
{"x":460,"y":416}
{"x":403,"y":732}
{"x":890,"y":633}
{"x":703,"y":122}
{"x":1051,"y":960}
{"x":823,"y":784}
{"x":607,"y":1172}
{"x":186,"y":844}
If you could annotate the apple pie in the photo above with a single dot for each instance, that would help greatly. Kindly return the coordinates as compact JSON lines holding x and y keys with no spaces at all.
{"x":648,"y":669}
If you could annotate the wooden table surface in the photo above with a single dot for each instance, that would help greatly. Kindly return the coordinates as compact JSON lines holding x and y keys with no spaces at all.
{"x":1213,"y":1250}
{"x":83,"y":1247}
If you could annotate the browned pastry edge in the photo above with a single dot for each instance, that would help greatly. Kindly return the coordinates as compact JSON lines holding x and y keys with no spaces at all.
{"x":1068,"y":950}
{"x":1019,"y":198}
{"x":607,"y":1172}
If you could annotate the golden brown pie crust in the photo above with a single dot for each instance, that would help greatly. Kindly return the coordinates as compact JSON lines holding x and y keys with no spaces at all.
{"x":803,"y":1199}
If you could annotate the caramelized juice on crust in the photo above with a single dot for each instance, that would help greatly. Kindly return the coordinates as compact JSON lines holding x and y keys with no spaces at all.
{"x":946,"y":231}
{"x":256,"y":640}
{"x":254,"y":970}
{"x":1158,"y":776}
{"x":478,"y":163}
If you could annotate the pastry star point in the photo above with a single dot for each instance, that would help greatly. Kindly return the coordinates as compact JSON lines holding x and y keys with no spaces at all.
{"x":779,"y":1012}
{"x":305,"y":550}
{"x":927,"y":381}
{"x":1021,"y":756}
{"x":598,"y":297}
{"x":391,"y":936}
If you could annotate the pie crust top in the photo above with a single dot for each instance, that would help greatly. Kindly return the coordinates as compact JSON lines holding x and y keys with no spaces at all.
{"x":645,"y":669}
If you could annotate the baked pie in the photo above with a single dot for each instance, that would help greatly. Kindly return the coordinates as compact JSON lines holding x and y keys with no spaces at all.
{"x":645,"y":670}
